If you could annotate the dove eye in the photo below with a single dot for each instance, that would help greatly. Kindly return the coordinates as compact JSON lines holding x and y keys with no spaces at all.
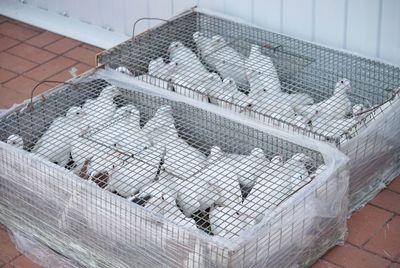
{"x":115,"y":145}
{"x":341,"y":81}
{"x":264,"y":90}
{"x":14,"y":142}
{"x":237,"y":213}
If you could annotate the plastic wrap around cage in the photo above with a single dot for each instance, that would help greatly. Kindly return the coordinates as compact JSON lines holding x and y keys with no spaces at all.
{"x":295,"y":85}
{"x":110,"y":174}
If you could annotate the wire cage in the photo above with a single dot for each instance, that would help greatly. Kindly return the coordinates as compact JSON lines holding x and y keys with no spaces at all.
{"x":299,"y":86}
{"x":130,"y":177}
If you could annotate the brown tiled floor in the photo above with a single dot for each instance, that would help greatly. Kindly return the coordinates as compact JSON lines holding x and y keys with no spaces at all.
{"x":29,"y":55}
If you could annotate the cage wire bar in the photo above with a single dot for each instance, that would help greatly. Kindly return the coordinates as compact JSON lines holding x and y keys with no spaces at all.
{"x":121,"y":199}
{"x":361,"y":122}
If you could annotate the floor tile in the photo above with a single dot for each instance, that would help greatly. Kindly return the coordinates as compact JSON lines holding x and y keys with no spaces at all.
{"x":50,"y":68}
{"x":66,"y":75}
{"x":14,"y":63}
{"x":24,"y":262}
{"x":7,"y":42}
{"x":31,"y":53}
{"x":16,"y":31}
{"x":63,"y":45}
{"x":395,"y":185}
{"x":388,"y":200}
{"x":82,"y":54}
{"x":6,"y":75}
{"x":353,"y":257}
{"x":387,"y":241}
{"x":7,"y":248}
{"x":365,"y":223}
{"x":324,"y":264}
{"x":44,"y":39}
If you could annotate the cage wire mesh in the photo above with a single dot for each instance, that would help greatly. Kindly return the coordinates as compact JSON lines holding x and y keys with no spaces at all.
{"x":302,"y":87}
{"x":160,"y":180}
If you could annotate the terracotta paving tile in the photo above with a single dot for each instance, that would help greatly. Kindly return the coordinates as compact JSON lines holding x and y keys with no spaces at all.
{"x":7,"y":248}
{"x":388,"y":200}
{"x":17,"y":31}
{"x":8,"y":100}
{"x":63,"y":45}
{"x":43,"y":39}
{"x":50,"y":68}
{"x":14,"y":63}
{"x":93,"y":48}
{"x":24,"y":262}
{"x":66,"y":75}
{"x":365,"y":223}
{"x":7,"y":42}
{"x":395,"y":185}
{"x":3,"y":18}
{"x":23,"y":86}
{"x":27,"y":26}
{"x":353,"y":257}
{"x":84,"y":55}
{"x":31,"y":53}
{"x":324,"y":264}
{"x":387,"y":242}
{"x":6,"y":75}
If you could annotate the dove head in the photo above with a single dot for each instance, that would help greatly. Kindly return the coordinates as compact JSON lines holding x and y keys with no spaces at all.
{"x":109,"y":92}
{"x":156,"y":65}
{"x":75,"y":112}
{"x":127,"y":111}
{"x":229,"y":83}
{"x":277,"y":159}
{"x":215,"y":152}
{"x":175,"y":46}
{"x":342,"y":86}
{"x":300,"y":157}
{"x":257,"y":152}
{"x":255,"y":50}
{"x":197,"y":36}
{"x":218,"y":41}
{"x":357,"y":108}
{"x":16,"y":141}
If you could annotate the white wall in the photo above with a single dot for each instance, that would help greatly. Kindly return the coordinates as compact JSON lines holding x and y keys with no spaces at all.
{"x":368,"y":27}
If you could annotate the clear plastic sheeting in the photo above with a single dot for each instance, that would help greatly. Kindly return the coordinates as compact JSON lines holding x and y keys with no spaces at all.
{"x":185,"y":195}
{"x":284,"y":82}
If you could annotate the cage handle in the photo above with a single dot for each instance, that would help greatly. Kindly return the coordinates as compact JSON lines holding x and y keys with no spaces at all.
{"x":145,"y":18}
{"x":30,"y":105}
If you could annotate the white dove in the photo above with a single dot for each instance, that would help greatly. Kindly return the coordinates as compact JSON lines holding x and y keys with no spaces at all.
{"x":56,"y":143}
{"x":271,"y":188}
{"x":197,"y":193}
{"x":125,"y":131}
{"x":159,"y":73}
{"x":226,"y":60}
{"x":136,"y":172}
{"x":334,"y":128}
{"x":100,"y":111}
{"x":296,"y":170}
{"x":227,"y":94}
{"x":251,"y":166}
{"x":165,"y":204}
{"x":204,"y":46}
{"x":181,"y":159}
{"x":185,"y":59}
{"x":336,"y":107}
{"x":224,"y":178}
{"x":228,"y":222}
{"x":195,"y":84}
{"x":261,"y":73}
{"x":16,"y":141}
{"x":166,"y":184}
{"x":123,"y":69}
